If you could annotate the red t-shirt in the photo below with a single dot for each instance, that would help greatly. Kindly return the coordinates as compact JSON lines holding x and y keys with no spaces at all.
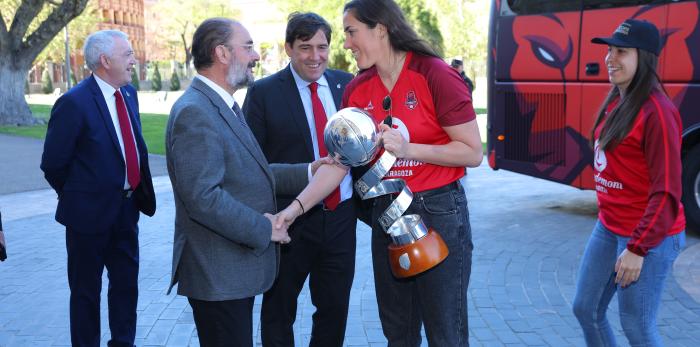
{"x":428,"y":95}
{"x":638,"y":183}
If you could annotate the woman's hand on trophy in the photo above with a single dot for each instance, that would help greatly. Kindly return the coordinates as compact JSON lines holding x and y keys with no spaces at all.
{"x":393,"y":141}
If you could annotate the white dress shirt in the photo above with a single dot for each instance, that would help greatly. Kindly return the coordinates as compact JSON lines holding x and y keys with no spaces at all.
{"x":324,"y":93}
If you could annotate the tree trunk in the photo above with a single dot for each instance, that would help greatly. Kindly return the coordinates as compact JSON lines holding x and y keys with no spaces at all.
{"x":13,"y":107}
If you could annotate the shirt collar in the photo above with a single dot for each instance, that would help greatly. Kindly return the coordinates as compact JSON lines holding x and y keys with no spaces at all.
{"x":301,"y":83}
{"x":106,"y":88}
{"x":228,"y":98}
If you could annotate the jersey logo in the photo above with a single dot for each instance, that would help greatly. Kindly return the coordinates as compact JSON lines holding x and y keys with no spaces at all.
{"x":369,"y":106}
{"x":601,"y":162}
{"x":411,"y":100}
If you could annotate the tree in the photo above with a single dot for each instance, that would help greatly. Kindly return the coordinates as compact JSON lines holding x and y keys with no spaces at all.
{"x":26,"y":28}
{"x":46,"y":84}
{"x":424,"y":22}
{"x":135,"y":79}
{"x":174,"y":82}
{"x":464,"y":24}
{"x":182,"y":20}
{"x":156,"y":83}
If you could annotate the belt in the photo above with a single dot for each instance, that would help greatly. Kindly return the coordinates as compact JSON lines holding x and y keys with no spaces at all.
{"x":444,"y":189}
{"x":127,"y":193}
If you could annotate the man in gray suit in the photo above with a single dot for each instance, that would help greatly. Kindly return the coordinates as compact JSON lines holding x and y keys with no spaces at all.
{"x":225,"y":250}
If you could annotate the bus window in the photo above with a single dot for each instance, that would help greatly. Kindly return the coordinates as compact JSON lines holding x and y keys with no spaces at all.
{"x":525,"y":7}
{"x":601,"y":4}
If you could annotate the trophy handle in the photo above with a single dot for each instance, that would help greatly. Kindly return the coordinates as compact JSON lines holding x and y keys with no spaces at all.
{"x":417,"y":257}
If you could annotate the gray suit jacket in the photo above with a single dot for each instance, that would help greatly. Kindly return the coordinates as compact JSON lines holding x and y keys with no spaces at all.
{"x":222,"y":185}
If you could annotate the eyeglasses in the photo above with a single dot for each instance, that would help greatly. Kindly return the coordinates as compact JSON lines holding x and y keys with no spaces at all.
{"x":248,"y":46}
{"x":386,"y":105}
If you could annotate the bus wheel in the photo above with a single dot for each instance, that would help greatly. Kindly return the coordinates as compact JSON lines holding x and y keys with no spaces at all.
{"x":691,"y":188}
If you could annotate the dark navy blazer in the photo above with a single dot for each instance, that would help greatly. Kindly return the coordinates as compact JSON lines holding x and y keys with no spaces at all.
{"x":83,"y":162}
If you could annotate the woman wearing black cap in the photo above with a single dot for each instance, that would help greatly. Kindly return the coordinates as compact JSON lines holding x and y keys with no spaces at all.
{"x":641,"y":226}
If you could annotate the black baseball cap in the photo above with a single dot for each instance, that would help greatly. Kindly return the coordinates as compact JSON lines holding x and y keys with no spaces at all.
{"x":634,"y":33}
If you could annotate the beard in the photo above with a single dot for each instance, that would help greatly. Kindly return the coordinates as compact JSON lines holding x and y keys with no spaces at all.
{"x":238,"y":76}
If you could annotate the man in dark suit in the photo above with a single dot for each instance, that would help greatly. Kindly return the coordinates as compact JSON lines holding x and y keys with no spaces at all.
{"x":458,"y":65}
{"x":287,"y":113}
{"x":97,"y":162}
{"x":226,"y":247}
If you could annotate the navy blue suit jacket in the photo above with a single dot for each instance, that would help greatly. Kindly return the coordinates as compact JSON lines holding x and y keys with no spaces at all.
{"x":83,"y":163}
{"x":276,"y":116}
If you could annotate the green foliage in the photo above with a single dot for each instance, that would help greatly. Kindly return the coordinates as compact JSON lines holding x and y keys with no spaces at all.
{"x":424,"y":22}
{"x":46,"y":84}
{"x":73,"y":80}
{"x":135,"y":79}
{"x":156,"y":83}
{"x":464,"y":24}
{"x":174,"y":82}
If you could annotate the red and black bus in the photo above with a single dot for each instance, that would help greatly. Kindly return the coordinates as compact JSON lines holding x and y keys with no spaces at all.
{"x":547,"y":80}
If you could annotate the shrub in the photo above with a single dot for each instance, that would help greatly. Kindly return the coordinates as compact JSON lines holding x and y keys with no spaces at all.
{"x":156,"y":83}
{"x":174,"y":82}
{"x":135,"y":79}
{"x":46,"y":84}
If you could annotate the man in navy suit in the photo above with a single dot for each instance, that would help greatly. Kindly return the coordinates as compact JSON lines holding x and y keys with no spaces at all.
{"x":97,"y":162}
{"x":287,"y":113}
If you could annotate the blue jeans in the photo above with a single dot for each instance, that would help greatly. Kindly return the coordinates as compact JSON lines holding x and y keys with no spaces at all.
{"x":436,"y":298}
{"x":638,"y":303}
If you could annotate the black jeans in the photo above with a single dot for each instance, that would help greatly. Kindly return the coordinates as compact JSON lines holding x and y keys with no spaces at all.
{"x":436,"y":298}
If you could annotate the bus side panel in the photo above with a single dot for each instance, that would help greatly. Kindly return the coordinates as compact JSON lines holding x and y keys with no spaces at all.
{"x":601,"y":23}
{"x":539,"y":123}
{"x":681,"y":59}
{"x":538,"y":47}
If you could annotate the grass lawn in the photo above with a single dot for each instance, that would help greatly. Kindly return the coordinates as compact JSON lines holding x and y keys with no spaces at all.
{"x":153,"y":128}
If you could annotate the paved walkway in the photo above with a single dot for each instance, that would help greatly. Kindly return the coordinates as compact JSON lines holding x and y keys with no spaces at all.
{"x":528,"y":236}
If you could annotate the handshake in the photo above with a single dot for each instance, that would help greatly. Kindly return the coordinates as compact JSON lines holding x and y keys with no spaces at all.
{"x":281,"y":222}
{"x":319,"y":187}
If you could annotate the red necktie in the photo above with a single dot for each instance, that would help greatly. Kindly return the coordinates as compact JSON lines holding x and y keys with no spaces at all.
{"x":132,"y":162}
{"x":320,"y":118}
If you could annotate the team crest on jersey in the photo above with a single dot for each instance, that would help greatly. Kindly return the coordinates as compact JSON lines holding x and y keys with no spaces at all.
{"x":369,"y":106}
{"x":411,"y":100}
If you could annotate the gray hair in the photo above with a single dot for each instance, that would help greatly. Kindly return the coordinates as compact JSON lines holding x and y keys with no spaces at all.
{"x":98,"y":43}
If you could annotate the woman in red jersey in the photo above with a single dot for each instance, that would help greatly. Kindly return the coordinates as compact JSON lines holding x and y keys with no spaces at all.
{"x":434,"y":135}
{"x":641,"y":225}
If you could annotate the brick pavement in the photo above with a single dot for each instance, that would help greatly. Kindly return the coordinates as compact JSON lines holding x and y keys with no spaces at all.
{"x":528,"y":236}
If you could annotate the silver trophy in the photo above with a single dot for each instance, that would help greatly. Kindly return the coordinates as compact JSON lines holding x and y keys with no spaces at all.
{"x":351,"y":137}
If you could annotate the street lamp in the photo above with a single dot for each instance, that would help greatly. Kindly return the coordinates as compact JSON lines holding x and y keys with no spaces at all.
{"x":65,"y":37}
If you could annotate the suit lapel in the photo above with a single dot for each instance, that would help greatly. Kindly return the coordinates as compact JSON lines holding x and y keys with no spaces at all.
{"x":336,"y":88}
{"x":135,"y":124}
{"x":291,"y":93}
{"x":244,"y":135}
{"x":104,"y":114}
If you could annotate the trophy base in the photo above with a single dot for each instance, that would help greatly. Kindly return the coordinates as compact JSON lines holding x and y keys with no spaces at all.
{"x":417,"y":257}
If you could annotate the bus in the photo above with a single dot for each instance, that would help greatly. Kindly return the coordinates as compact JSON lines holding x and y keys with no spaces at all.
{"x":546,"y":81}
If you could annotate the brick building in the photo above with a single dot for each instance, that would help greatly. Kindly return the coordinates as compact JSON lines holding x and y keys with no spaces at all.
{"x":123,"y":15}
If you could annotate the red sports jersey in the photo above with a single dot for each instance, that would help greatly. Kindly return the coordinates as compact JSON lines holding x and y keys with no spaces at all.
{"x":427,"y":96}
{"x":639,"y":181}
